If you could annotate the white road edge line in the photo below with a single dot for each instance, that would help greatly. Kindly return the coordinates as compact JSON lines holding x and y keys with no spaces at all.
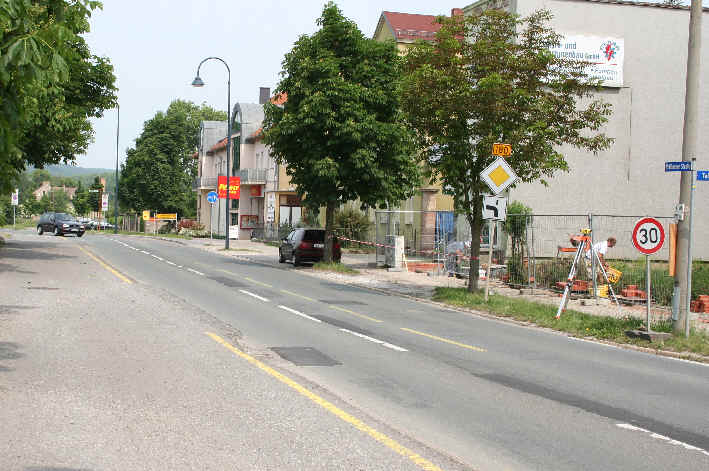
{"x":169,"y":262}
{"x":297,"y":313}
{"x":380,"y":342}
{"x":669,"y":440}
{"x":254,"y":295}
{"x":159,"y":258}
{"x":146,"y":253}
{"x":195,"y":271}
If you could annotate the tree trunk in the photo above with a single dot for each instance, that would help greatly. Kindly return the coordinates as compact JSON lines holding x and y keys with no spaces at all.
{"x":475,"y":221}
{"x":329,"y":225}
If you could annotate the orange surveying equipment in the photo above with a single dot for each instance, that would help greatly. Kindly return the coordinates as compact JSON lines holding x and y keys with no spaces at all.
{"x":584,"y":245}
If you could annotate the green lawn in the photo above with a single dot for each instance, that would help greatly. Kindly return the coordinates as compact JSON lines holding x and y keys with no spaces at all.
{"x":573,"y":322}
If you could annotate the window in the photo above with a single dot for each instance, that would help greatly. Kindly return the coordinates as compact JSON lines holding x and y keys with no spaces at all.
{"x":234,"y":219}
{"x":234,"y":203}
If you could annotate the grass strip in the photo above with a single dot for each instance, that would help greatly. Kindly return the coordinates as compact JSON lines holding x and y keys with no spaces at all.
{"x":576,"y":323}
{"x":335,"y":267}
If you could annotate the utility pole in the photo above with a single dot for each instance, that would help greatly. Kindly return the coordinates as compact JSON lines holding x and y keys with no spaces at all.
{"x":689,"y":152}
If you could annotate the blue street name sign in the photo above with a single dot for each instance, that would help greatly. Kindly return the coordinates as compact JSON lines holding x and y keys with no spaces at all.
{"x":683,"y":166}
{"x":703,"y":175}
{"x":212,"y":196}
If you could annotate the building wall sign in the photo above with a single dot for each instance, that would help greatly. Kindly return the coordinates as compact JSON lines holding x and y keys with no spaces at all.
{"x":604,"y":54}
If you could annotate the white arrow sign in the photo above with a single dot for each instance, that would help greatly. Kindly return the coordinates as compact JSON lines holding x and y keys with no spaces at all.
{"x":495,"y":208}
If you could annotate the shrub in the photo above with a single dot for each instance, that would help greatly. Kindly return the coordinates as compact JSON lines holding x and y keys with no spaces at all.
{"x":352,"y":223}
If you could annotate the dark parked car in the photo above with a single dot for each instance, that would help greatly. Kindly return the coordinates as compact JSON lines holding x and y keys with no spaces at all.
{"x":306,"y":245}
{"x":59,"y":224}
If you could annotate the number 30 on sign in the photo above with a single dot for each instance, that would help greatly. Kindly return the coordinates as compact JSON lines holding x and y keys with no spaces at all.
{"x":648,"y":235}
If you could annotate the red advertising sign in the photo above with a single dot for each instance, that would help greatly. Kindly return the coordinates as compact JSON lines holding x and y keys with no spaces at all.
{"x":234,"y":187}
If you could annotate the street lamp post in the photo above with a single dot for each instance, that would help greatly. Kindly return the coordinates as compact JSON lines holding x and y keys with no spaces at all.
{"x":118,"y":129}
{"x":197,"y":82}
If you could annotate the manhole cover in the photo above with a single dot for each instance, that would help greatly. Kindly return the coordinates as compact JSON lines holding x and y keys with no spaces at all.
{"x":305,"y":356}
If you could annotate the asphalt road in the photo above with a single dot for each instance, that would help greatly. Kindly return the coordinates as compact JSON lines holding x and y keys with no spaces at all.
{"x":488,"y":394}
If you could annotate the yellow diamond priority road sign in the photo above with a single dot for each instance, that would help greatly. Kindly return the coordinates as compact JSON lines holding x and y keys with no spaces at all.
{"x":498,"y":176}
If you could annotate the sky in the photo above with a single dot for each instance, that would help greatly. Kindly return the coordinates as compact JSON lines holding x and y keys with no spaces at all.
{"x":155,"y":47}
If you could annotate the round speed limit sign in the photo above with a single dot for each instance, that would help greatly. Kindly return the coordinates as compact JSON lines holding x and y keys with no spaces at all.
{"x":648,"y":235}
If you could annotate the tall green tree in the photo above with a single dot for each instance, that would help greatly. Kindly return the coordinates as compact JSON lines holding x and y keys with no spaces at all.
{"x":341,"y":133}
{"x":50,"y":84}
{"x":492,"y":78}
{"x":159,"y":170}
{"x":81,"y":199}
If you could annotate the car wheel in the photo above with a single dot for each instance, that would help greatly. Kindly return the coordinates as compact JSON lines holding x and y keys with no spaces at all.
{"x":296,"y":261}
{"x":281,"y":258}
{"x":57,"y":231}
{"x":40,"y":231}
{"x":79,"y":234}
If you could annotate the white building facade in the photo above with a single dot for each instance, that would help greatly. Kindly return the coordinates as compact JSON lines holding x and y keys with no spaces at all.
{"x":645,"y":84}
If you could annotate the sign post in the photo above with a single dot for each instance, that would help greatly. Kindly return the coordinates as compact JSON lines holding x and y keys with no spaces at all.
{"x":648,"y":238}
{"x":498,"y":176}
{"x":212,"y":198}
{"x":14,"y":200}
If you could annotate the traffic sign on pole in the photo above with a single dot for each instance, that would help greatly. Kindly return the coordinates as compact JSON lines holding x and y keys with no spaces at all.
{"x":498,"y":176}
{"x":682,"y":166}
{"x":501,"y":150}
{"x":648,"y":235}
{"x":703,"y":175}
{"x":212,"y":197}
{"x":15,"y":197}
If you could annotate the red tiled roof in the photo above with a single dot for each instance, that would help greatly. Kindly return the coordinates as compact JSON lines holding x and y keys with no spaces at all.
{"x":279,"y":99}
{"x":409,"y":26}
{"x":218,"y":146}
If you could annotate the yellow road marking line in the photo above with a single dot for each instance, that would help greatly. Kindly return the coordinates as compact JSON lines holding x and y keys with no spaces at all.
{"x":422,"y":462}
{"x":258,"y":282}
{"x":355,"y":313}
{"x":105,"y":265}
{"x":298,"y":295}
{"x":453,"y":342}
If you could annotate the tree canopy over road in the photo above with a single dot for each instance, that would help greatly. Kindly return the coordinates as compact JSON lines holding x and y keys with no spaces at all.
{"x":50,"y":84}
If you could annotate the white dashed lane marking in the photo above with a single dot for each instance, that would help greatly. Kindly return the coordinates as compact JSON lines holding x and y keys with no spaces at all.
{"x":669,"y":440}
{"x":297,"y":313}
{"x":254,"y":295}
{"x":195,"y":271}
{"x":380,"y":342}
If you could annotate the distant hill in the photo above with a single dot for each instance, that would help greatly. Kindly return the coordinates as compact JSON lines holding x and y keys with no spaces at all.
{"x":74,"y":171}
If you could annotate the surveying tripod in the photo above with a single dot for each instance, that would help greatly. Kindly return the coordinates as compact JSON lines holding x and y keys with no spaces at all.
{"x":584,"y":245}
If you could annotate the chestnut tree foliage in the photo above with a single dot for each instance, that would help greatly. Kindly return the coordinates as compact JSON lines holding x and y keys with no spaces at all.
{"x":492,"y":78}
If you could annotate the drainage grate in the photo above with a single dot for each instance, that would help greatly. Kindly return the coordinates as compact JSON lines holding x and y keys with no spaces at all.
{"x":227,"y":281}
{"x":305,"y":356}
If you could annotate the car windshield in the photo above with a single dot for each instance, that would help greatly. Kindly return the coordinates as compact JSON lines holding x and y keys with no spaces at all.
{"x":63,"y":217}
{"x":314,"y":236}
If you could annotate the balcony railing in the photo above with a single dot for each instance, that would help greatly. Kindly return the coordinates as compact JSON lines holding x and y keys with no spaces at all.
{"x":249,"y":176}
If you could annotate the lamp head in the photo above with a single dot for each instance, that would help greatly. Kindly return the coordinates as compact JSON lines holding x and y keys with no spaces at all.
{"x":197,"y":82}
